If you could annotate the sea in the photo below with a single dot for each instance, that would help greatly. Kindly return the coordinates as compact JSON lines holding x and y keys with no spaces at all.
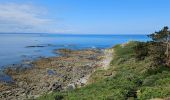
{"x":15,"y":48}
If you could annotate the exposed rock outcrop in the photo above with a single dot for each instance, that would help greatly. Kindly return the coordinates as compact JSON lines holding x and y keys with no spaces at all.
{"x":66,"y":72}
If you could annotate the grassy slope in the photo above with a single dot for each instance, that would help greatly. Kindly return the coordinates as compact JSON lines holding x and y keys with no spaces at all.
{"x":128,"y":74}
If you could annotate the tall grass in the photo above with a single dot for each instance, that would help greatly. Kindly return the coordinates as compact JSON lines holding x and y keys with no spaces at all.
{"x":129,"y":78}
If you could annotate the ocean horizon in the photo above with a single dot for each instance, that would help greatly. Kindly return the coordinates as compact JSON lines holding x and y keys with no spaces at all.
{"x":17,"y":47}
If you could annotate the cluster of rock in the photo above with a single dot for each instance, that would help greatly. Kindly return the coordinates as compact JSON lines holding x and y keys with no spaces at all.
{"x":66,"y":72}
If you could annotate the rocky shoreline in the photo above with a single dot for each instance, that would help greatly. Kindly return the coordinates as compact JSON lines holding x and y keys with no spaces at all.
{"x":66,"y":72}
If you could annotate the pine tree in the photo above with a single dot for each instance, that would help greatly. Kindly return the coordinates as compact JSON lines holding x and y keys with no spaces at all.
{"x":163,"y":36}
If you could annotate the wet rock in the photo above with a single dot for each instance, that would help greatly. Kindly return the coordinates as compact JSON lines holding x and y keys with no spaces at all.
{"x":55,"y":87}
{"x":51,"y":72}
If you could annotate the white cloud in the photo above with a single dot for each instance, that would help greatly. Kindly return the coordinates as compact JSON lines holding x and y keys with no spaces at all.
{"x":24,"y":18}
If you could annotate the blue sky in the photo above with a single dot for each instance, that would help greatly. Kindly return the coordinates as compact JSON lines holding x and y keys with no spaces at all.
{"x":84,"y":16}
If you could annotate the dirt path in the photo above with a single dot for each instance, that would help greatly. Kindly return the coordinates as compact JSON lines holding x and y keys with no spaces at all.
{"x":108,"y":56}
{"x":105,"y":63}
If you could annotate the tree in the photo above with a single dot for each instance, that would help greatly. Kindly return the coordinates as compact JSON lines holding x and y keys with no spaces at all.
{"x":141,"y":50}
{"x":163,"y":37}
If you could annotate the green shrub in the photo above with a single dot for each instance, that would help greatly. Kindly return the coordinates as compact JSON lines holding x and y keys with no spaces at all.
{"x":131,"y":75}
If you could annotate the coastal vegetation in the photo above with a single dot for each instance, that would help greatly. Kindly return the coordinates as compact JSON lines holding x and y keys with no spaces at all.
{"x":133,"y":70}
{"x":157,"y":49}
{"x":138,"y":70}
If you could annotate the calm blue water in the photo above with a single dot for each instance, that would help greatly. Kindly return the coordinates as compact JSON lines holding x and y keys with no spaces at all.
{"x":13,"y":46}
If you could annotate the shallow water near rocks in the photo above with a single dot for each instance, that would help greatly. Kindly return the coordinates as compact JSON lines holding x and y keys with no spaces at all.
{"x":5,"y":78}
{"x":15,"y":48}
